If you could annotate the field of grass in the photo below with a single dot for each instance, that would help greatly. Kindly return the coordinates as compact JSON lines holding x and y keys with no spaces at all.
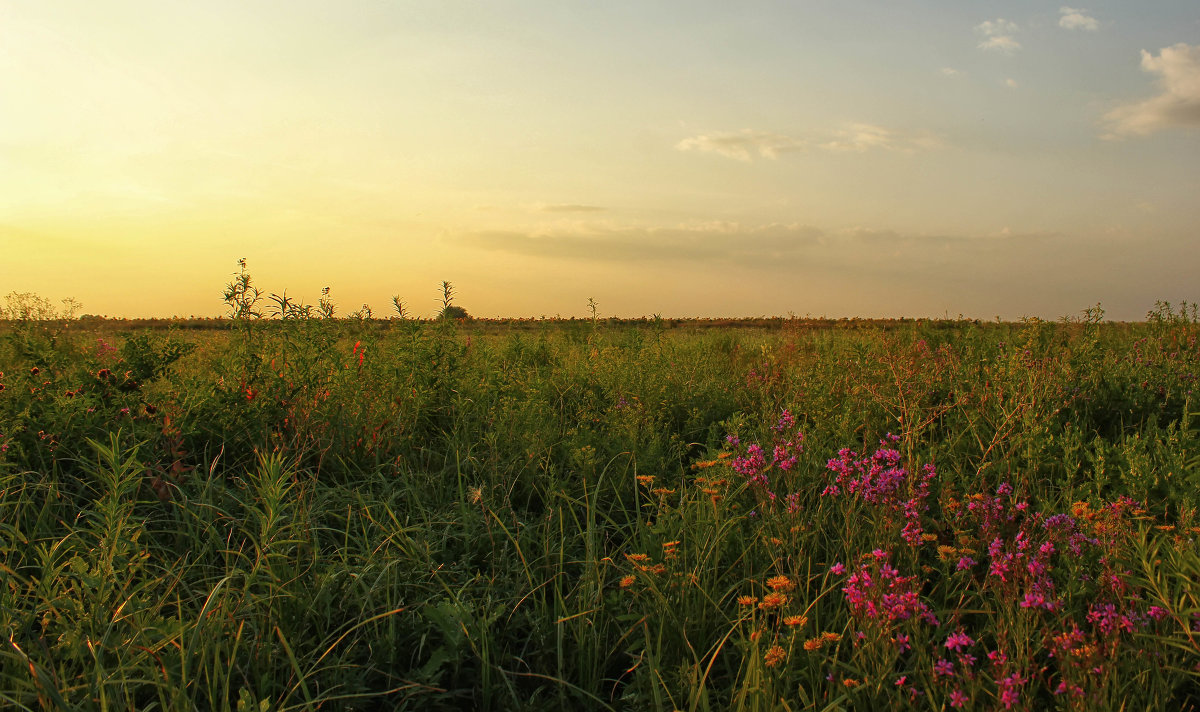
{"x":784,"y":515}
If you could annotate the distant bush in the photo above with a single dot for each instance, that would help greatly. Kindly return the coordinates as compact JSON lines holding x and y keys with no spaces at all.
{"x":454,"y":312}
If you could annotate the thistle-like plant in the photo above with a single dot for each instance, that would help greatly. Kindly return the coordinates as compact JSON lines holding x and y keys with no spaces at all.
{"x":325,"y":306}
{"x":449,"y":309}
{"x":241,"y":295}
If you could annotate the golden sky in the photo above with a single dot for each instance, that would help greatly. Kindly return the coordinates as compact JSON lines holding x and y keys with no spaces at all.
{"x":687,"y":159}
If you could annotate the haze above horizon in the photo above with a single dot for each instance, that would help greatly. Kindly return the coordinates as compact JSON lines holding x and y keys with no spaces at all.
{"x":704,"y":159}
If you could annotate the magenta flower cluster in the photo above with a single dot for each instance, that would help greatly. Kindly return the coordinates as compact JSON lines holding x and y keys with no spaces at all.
{"x":877,"y":592}
{"x":755,"y":464}
{"x":1003,"y":550}
{"x":881,"y":480}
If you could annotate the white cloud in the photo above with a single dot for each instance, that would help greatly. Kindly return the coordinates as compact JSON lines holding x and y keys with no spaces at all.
{"x":860,"y":138}
{"x":999,"y":26}
{"x":742,"y":145}
{"x":998,"y":35}
{"x":1178,"y":67}
{"x":951,"y":72}
{"x":1011,"y":83}
{"x":746,"y":144}
{"x":1073,"y":18}
{"x":1004,"y":43}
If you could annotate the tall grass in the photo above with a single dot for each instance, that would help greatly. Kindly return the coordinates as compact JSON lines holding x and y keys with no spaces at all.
{"x":316,"y":513}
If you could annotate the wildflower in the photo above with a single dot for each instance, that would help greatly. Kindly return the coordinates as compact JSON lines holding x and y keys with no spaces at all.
{"x":645,"y":479}
{"x":958,"y":641}
{"x":1010,"y":692}
{"x":958,"y":699}
{"x":850,"y":682}
{"x":627,"y":580}
{"x":775,"y":599}
{"x":902,"y":642}
{"x":794,"y":621}
{"x":829,"y":637}
{"x":780,"y":583}
{"x":814,"y":644}
{"x":943,"y":668}
{"x":774,"y":656}
{"x":475,"y":495}
{"x":747,"y":600}
{"x":1034,"y":599}
{"x":837,"y":569}
{"x":637,"y":558}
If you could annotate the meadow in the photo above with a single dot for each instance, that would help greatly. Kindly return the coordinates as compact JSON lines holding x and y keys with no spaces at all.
{"x":318,"y":513}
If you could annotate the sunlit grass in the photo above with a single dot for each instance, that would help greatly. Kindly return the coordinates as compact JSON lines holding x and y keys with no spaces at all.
{"x":342,"y":514}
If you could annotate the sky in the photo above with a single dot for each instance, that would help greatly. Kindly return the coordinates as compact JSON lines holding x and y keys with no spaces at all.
{"x":832,"y":158}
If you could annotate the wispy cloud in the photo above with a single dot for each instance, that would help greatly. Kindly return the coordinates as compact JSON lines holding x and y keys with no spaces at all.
{"x":1178,"y":104}
{"x":742,"y":145}
{"x":690,"y":242}
{"x":998,"y":35}
{"x":860,"y":138}
{"x":1011,"y":83}
{"x":1073,"y":18}
{"x":783,"y":246}
{"x":568,"y":208}
{"x":952,"y":72}
{"x":853,"y":138}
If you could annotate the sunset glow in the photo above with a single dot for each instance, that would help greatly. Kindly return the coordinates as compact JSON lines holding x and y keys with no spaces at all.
{"x":690,"y":159}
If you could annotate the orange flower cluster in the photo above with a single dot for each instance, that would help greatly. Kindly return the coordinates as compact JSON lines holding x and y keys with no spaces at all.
{"x":780,"y":583}
{"x":773,"y":600}
{"x":775,"y":655}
